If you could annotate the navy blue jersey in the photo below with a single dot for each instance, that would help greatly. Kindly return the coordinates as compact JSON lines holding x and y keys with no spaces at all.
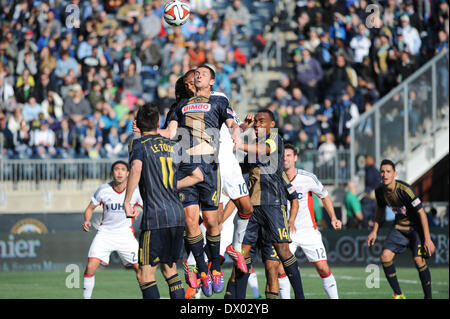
{"x":201,"y":118}
{"x":404,"y":203}
{"x":160,"y":159}
{"x":267,"y":181}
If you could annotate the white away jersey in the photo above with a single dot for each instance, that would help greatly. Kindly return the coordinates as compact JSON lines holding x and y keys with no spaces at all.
{"x":114,"y":217}
{"x":306,"y":184}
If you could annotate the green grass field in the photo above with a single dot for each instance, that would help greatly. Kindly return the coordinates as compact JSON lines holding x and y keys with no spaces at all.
{"x":121,"y":284}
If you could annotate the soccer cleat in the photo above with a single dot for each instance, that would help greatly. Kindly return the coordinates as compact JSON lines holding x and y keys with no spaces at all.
{"x":401,"y":296}
{"x":190,"y":292}
{"x":217,"y":281}
{"x":190,"y":275}
{"x":205,"y":283}
{"x":237,"y":258}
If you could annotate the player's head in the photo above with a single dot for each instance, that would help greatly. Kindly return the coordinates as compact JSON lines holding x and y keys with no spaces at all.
{"x":147,"y":118}
{"x":290,"y":156}
{"x":119,"y":171}
{"x":204,"y":76}
{"x":189,"y":81}
{"x":264,"y":121}
{"x":387,"y":172}
{"x":184,"y":87}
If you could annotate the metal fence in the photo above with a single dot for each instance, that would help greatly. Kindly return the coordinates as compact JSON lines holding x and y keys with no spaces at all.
{"x":60,"y":174}
{"x":34,"y":174}
{"x":405,"y":118}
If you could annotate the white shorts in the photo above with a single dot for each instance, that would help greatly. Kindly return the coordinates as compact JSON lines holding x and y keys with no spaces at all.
{"x":105,"y":243}
{"x":310,"y":241}
{"x":233,"y":184}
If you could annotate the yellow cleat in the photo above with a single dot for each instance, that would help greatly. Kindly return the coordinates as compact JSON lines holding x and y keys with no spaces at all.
{"x":401,"y":296}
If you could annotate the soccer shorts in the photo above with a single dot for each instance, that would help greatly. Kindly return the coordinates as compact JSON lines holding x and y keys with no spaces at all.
{"x":233,"y":183}
{"x":206,"y":194}
{"x":161,"y":245}
{"x":268,"y":222}
{"x":124,"y":243}
{"x":310,"y":241}
{"x":399,"y":240}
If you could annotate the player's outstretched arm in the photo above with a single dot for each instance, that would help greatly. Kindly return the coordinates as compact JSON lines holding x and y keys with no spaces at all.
{"x":170,"y":131}
{"x":328,"y":205}
{"x":87,"y":216}
{"x":428,"y":243}
{"x":190,"y":180}
{"x":133,"y":181}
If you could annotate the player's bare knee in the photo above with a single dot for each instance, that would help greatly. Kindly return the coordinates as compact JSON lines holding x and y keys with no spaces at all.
{"x":419,"y":261}
{"x":387,"y":256}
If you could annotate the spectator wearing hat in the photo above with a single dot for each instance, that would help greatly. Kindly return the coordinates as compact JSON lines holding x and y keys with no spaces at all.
{"x":308,"y":74}
{"x":43,"y":141}
{"x":411,"y":36}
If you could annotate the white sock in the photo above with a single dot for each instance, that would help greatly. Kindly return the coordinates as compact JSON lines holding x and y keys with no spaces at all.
{"x":240,"y":225}
{"x":285,"y":287}
{"x":329,"y":284}
{"x":191,"y":259}
{"x":88,"y":286}
{"x":253,"y":283}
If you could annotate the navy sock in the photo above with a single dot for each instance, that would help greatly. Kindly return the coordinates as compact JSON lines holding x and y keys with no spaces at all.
{"x":213,"y":243}
{"x":230,"y":293}
{"x":242,"y":280}
{"x":149,"y":290}
{"x":176,"y":288}
{"x":391,"y":276}
{"x":425,"y":279}
{"x":291,"y":269}
{"x":196,"y":246}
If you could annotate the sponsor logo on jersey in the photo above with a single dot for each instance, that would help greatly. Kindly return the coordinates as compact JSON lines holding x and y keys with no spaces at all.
{"x":399,"y":210}
{"x":197,"y":107}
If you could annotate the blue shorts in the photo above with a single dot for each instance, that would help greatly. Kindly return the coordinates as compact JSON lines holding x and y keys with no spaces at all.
{"x":268,"y":224}
{"x":206,"y":194}
{"x":399,"y":240}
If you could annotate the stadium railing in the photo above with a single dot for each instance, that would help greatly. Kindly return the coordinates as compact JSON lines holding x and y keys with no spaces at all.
{"x":66,"y":174}
{"x":412,"y":116}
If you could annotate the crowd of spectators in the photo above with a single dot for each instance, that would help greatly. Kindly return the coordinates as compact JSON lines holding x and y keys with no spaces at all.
{"x":72,"y":73}
{"x":348,"y":56}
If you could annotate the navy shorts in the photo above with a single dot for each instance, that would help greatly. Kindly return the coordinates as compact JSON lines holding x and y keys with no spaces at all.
{"x":206,"y":194}
{"x":268,"y":224}
{"x":161,"y":245}
{"x":399,"y":240}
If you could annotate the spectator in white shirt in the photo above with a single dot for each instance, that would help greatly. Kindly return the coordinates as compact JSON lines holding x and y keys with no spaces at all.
{"x":410,"y":35}
{"x":360,"y":44}
{"x":43,"y":141}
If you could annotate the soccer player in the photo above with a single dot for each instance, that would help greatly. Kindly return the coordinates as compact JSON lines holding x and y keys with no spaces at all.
{"x":267,"y":186}
{"x":233,"y":186}
{"x":154,"y":165}
{"x":115,"y":232}
{"x":304,"y":232}
{"x":410,"y":228}
{"x":200,"y":119}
